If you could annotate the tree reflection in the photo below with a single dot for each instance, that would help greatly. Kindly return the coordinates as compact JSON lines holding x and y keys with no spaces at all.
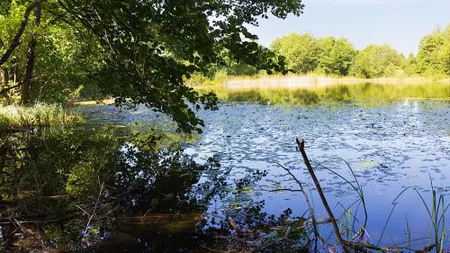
{"x":99,"y":188}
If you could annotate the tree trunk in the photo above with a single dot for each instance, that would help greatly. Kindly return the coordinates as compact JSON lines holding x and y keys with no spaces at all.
{"x":4,"y":75}
{"x":16,"y":41}
{"x":31,"y":56}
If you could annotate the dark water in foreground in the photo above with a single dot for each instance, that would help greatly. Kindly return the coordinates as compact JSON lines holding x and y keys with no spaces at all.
{"x":138,"y":191}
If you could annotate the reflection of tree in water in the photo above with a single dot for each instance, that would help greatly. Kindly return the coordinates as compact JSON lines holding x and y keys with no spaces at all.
{"x":59,"y":174}
{"x":338,"y":93}
{"x":96,"y":188}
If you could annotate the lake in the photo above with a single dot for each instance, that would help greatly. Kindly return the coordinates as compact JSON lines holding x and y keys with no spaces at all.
{"x":162,"y":191}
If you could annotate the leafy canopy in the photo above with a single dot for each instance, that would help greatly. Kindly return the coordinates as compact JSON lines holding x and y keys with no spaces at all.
{"x":305,"y":54}
{"x":152,"y":47}
{"x":377,"y":61}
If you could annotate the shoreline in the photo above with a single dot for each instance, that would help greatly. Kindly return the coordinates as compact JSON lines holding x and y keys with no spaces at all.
{"x":302,"y":82}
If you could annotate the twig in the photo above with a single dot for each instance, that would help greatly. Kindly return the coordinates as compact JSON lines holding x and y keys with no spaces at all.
{"x":234,"y":226}
{"x":310,"y":207}
{"x":301,"y":147}
{"x":93,"y":212}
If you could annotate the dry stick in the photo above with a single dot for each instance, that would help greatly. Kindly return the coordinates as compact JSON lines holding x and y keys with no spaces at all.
{"x":301,"y":147}
{"x":93,"y":212}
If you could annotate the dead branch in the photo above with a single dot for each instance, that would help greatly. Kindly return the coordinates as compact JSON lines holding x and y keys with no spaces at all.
{"x":301,"y":147}
{"x":93,"y":212}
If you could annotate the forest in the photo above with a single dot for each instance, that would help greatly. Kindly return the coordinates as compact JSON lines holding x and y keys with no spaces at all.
{"x":337,"y":57}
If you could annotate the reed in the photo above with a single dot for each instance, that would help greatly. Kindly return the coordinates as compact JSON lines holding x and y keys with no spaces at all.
{"x":40,"y":114}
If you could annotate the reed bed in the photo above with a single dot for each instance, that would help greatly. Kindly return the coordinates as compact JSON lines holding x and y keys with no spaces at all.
{"x":14,"y":116}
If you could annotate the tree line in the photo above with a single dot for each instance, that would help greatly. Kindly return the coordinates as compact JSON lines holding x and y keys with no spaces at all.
{"x":338,"y":57}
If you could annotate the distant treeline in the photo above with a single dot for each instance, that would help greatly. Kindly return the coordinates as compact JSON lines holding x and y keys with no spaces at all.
{"x":337,"y":57}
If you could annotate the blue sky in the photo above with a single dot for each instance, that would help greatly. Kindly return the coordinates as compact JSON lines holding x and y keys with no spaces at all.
{"x":399,"y":23}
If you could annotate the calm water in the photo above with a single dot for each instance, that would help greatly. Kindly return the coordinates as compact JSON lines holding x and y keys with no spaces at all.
{"x":390,"y":147}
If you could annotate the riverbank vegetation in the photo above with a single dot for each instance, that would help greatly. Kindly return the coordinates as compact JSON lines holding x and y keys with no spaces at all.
{"x":365,"y":92}
{"x":38,"y":115}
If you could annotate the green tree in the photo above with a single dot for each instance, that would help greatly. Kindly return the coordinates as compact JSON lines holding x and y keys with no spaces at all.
{"x":305,"y":53}
{"x":377,"y":61}
{"x":302,"y":52}
{"x":336,"y":57}
{"x":433,"y":58}
{"x":410,"y":65}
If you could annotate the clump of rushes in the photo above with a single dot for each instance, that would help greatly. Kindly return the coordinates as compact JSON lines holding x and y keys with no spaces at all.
{"x":14,"y":116}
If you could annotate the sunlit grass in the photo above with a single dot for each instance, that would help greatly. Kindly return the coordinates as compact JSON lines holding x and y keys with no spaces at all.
{"x":37,"y":115}
{"x":109,"y":101}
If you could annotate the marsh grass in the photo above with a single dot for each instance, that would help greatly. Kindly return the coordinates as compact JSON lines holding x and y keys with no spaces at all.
{"x":14,"y":116}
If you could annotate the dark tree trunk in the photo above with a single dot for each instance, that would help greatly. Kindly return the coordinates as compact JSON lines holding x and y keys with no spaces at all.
{"x":4,"y":76}
{"x":31,"y":56}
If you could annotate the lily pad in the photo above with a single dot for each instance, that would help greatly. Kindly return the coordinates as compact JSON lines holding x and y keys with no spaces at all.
{"x":369,"y":164}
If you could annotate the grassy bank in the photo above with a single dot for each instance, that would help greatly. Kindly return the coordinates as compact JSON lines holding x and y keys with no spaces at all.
{"x":108,"y":101}
{"x":14,"y":116}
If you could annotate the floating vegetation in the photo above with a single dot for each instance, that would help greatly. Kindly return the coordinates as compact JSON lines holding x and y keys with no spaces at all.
{"x":369,"y":164}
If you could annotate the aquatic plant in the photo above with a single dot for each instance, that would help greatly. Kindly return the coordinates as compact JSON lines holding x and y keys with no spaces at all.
{"x":40,"y":114}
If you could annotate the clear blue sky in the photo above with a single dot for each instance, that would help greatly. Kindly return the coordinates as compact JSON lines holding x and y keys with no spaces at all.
{"x":399,"y":23}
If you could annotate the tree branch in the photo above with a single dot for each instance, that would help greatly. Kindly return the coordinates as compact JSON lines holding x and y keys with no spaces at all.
{"x":10,"y":88}
{"x":16,"y":41}
{"x":301,"y":147}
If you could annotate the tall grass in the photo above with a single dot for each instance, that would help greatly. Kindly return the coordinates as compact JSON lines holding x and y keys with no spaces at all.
{"x":14,"y":116}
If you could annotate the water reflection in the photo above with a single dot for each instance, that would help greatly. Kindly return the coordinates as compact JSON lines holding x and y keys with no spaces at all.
{"x":378,"y":93}
{"x":93,"y":173}
{"x":110,"y":187}
{"x":103,"y":188}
